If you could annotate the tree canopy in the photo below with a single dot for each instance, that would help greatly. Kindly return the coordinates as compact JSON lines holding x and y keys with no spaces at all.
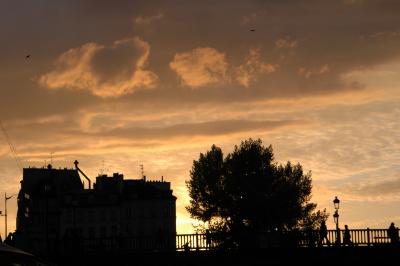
{"x":248,"y":192}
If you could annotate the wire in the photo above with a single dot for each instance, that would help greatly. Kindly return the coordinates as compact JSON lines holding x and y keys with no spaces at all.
{"x":13,"y":150}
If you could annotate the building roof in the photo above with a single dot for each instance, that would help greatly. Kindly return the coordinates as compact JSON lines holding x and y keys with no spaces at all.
{"x":54,"y":181}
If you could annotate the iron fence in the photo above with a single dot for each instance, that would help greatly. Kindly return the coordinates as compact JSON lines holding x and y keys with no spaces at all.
{"x":201,"y":242}
{"x":358,"y":237}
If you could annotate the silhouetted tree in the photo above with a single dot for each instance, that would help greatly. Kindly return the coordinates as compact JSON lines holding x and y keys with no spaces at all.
{"x":247,"y":192}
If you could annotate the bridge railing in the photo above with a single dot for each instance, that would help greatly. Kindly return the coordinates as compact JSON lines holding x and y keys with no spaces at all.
{"x":199,"y":242}
{"x":358,"y":237}
{"x":195,"y":242}
{"x":363,"y":237}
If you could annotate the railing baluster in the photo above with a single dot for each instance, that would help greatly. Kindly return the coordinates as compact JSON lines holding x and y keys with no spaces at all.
{"x":200,"y":242}
{"x":380,"y":236}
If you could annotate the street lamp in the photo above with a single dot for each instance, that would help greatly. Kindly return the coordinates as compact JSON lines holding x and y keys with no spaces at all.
{"x":336,"y":218}
{"x":5,"y":212}
{"x":336,"y":203}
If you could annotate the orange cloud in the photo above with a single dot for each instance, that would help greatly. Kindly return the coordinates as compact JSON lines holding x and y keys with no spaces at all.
{"x":353,"y":2}
{"x":384,"y":35}
{"x":308,"y":73}
{"x":104,"y":71}
{"x":208,"y":66}
{"x":286,"y":43}
{"x":201,"y":66}
{"x":252,"y":67}
{"x":146,"y":20}
{"x":249,"y":19}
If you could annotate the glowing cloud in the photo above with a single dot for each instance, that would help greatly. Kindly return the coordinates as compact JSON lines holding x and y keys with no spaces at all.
{"x":353,"y":2}
{"x":385,"y":35}
{"x":308,"y":73}
{"x":146,"y":20}
{"x":286,"y":43}
{"x":249,"y":19}
{"x":201,"y":66}
{"x":104,"y":71}
{"x":252,"y":67}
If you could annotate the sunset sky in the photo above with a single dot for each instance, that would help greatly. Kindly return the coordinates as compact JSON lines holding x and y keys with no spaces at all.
{"x":116,"y":84}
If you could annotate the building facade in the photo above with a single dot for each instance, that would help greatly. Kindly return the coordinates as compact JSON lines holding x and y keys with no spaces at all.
{"x":56,"y":213}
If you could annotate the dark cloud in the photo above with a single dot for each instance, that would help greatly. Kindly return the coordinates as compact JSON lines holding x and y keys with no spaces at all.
{"x":104,"y":71}
{"x":382,"y":188}
{"x":213,"y":128}
{"x":23,"y":99}
{"x":341,"y":35}
{"x":117,"y":61}
{"x":310,"y":55}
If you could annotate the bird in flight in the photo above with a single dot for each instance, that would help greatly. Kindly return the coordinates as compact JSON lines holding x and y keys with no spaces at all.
{"x":252,"y":30}
{"x":27,"y":56}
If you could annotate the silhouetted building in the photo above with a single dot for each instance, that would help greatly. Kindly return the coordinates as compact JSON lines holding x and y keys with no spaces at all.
{"x":55,"y":209}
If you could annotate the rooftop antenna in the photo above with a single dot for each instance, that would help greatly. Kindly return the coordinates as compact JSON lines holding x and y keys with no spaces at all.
{"x":51,"y":158}
{"x":103,"y":169}
{"x":142,"y":170}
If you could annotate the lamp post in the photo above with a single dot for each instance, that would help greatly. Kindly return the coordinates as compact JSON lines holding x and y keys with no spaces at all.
{"x":5,"y":212}
{"x":336,"y":203}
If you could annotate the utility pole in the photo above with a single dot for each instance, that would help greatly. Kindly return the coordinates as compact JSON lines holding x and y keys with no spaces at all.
{"x":5,"y":213}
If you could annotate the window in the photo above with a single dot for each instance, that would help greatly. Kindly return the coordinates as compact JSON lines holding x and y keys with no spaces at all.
{"x":83,"y":215}
{"x":68,"y":216}
{"x":91,"y":215}
{"x":113,"y":216}
{"x":103,"y":215}
{"x":128,"y":213}
{"x":128,"y":230}
{"x":79,"y":215}
{"x":26,"y":211}
{"x":114,"y":230}
{"x":92,"y":232}
{"x":103,"y":231}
